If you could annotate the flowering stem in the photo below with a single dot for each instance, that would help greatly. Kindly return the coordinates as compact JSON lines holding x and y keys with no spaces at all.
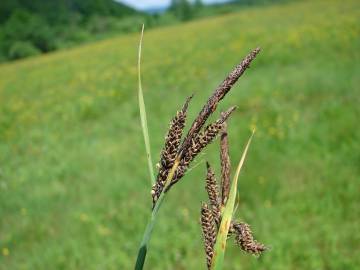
{"x":147,"y":234}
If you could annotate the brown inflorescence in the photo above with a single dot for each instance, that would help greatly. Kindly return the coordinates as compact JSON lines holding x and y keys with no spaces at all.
{"x":241,"y":231}
{"x":168,"y":154}
{"x":244,"y":238}
{"x":225,"y":165}
{"x":199,"y":143}
{"x":195,"y":141}
{"x":209,"y":232}
{"x":213,"y":194}
{"x":217,"y":96}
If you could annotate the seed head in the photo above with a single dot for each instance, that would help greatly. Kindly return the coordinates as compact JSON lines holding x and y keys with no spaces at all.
{"x":168,"y":154}
{"x":225,"y":165}
{"x":199,"y":143}
{"x":213,"y":194}
{"x":244,"y":238}
{"x":218,"y":95}
{"x":209,"y":232}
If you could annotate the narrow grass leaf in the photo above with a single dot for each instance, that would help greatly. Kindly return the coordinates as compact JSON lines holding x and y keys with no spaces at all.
{"x":144,"y":126}
{"x":220,"y":244}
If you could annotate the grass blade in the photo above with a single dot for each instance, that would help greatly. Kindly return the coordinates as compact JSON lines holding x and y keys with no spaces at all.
{"x":144,"y":126}
{"x":220,"y":244}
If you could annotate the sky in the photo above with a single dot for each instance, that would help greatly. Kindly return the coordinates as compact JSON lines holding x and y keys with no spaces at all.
{"x":144,"y":4}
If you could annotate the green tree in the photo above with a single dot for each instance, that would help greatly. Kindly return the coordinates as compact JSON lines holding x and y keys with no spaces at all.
{"x":21,"y":49}
{"x":198,"y":4}
{"x":182,"y":9}
{"x":28,"y":32}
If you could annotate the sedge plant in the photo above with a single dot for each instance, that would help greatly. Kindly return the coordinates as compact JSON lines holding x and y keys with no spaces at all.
{"x":178,"y":153}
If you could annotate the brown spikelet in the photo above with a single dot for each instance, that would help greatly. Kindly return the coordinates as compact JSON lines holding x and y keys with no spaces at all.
{"x":218,"y":95}
{"x":199,"y":143}
{"x":209,"y":232}
{"x":168,"y":154}
{"x":225,"y":165}
{"x":213,"y":194}
{"x":244,"y":238}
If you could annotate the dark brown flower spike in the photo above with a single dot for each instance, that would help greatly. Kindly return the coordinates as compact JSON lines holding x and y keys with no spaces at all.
{"x":225,"y":165}
{"x":169,"y":152}
{"x":241,"y":231}
{"x":244,"y":238}
{"x":213,"y":194}
{"x":209,"y":232}
{"x":218,"y":95}
{"x":194,"y":142}
{"x":198,"y":144}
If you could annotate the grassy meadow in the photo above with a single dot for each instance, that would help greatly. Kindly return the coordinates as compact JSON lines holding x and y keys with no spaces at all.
{"x":74,"y":186}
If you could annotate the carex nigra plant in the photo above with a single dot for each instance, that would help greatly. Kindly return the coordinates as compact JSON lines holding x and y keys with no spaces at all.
{"x":178,"y":153}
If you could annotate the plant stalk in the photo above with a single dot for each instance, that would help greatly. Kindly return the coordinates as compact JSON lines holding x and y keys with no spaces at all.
{"x":148,"y":231}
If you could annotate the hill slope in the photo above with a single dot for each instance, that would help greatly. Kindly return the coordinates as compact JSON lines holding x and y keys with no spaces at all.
{"x":74,"y":187}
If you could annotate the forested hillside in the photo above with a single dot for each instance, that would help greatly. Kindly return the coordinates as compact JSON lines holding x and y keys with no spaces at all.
{"x":60,"y":11}
{"x":32,"y":27}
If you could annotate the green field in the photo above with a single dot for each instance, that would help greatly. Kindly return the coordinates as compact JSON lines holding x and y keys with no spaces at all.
{"x":74,"y":186}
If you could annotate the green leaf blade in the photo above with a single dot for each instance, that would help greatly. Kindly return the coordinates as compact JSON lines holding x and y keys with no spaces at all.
{"x":143,"y":118}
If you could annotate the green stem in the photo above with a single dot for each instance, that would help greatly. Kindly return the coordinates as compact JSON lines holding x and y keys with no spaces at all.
{"x":147,"y":234}
{"x":149,"y":228}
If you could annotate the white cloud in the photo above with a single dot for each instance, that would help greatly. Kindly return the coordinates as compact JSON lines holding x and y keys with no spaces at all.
{"x":141,"y":4}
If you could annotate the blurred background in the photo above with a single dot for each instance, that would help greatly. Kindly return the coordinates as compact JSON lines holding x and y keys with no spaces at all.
{"x":74,"y":183}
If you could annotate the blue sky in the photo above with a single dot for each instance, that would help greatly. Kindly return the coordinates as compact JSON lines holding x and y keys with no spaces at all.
{"x":144,"y":4}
